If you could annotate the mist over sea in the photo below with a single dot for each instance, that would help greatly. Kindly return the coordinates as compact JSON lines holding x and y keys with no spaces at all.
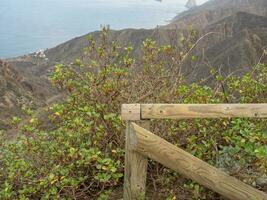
{"x":30,"y":25}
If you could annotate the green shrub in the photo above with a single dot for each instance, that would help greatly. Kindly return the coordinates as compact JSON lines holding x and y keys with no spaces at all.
{"x":82,"y":157}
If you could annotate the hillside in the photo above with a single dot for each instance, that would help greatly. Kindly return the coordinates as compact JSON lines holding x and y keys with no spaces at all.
{"x":228,"y":19}
{"x":239,"y":37}
{"x":19,"y":87}
{"x":15,"y":91}
{"x":237,"y":43}
{"x":216,"y":10}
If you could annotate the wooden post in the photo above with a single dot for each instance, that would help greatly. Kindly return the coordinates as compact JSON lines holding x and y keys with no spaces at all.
{"x":191,"y":167}
{"x":135,"y":168}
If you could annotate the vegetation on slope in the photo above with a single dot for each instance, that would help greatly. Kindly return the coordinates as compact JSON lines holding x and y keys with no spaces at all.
{"x":82,"y":155}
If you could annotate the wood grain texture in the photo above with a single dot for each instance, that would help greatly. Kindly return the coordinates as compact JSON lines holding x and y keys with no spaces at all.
{"x":135,"y":167}
{"x":131,"y":112}
{"x":191,"y":167}
{"x":188,"y":111}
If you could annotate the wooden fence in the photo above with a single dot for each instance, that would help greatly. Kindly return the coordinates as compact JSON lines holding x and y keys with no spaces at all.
{"x":142,"y":144}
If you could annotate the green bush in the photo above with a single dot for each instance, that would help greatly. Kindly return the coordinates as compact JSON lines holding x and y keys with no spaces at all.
{"x":82,"y":156}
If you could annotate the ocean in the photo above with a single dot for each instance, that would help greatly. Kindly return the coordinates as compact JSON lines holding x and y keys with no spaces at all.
{"x":27,"y":26}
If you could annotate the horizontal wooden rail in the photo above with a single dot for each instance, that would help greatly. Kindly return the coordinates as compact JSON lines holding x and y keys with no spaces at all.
{"x":156,"y":148}
{"x":189,"y":111}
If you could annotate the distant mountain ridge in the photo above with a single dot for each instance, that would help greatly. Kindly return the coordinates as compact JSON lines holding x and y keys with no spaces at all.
{"x":239,"y":36}
{"x":216,"y":10}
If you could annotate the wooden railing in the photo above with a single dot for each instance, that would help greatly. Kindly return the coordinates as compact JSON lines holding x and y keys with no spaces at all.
{"x":142,"y":144}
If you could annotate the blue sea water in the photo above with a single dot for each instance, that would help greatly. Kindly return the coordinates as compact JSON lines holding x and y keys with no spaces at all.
{"x":30,"y":25}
